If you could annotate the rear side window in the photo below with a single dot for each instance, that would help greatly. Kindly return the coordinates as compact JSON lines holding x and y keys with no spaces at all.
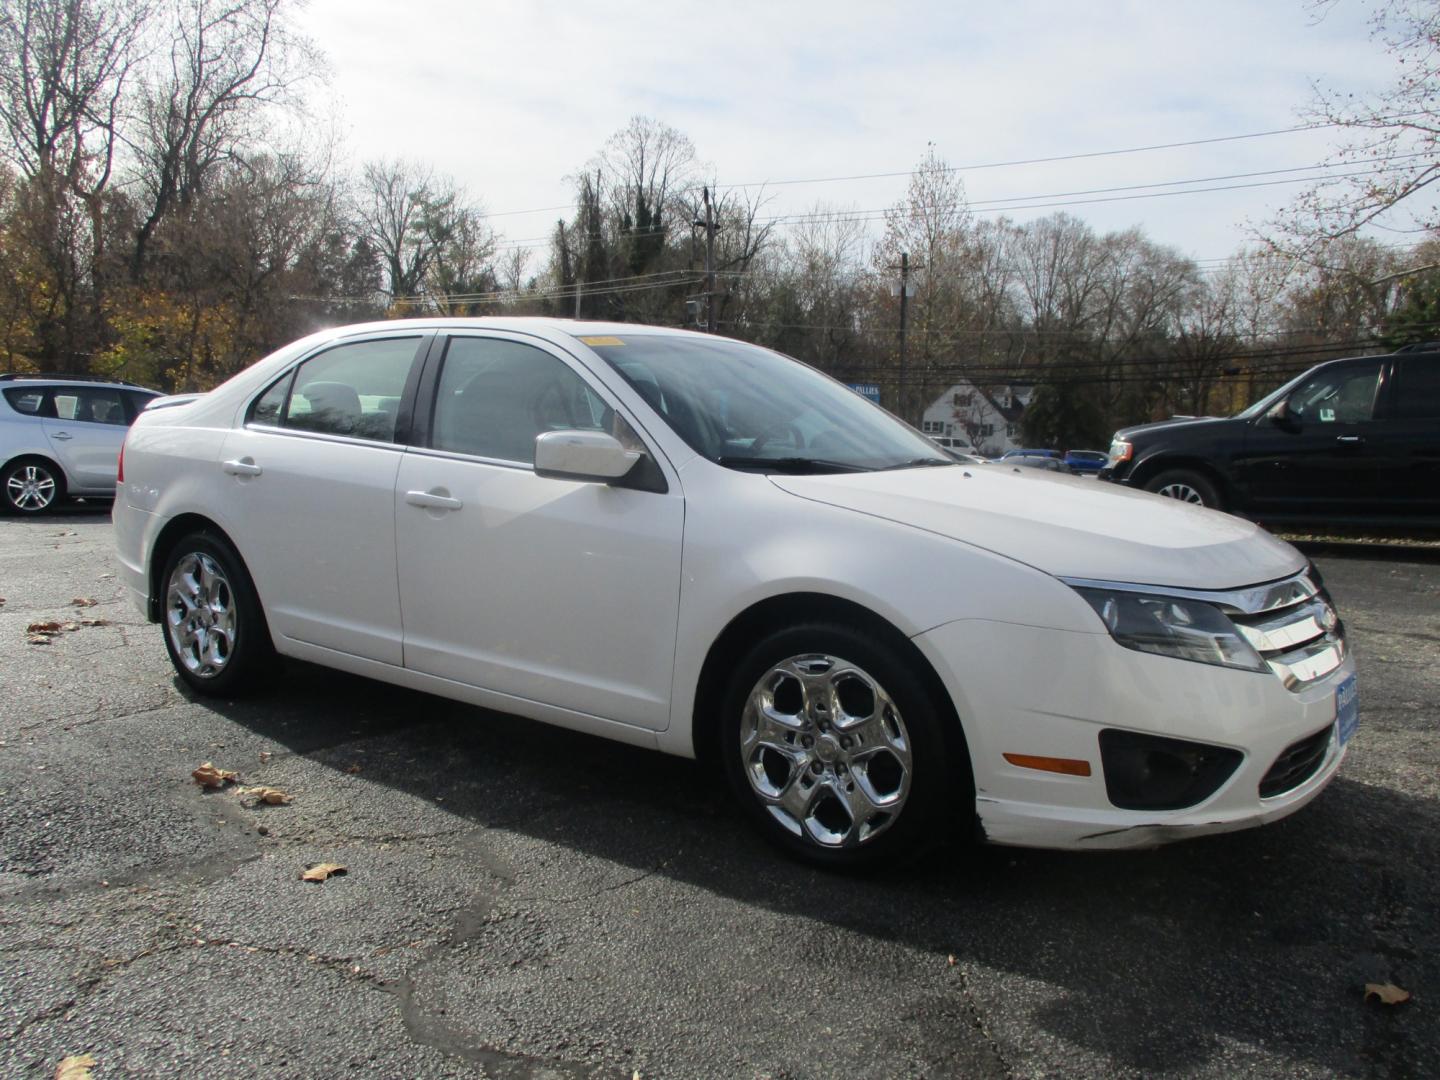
{"x":352,"y":390}
{"x":26,"y":399}
{"x":1417,"y":390}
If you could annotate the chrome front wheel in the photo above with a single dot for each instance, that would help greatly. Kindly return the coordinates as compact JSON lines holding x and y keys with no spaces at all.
{"x":826,"y":750}
{"x":838,"y":747}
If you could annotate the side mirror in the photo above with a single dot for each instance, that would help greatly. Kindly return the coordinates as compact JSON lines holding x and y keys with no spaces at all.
{"x":592,"y":456}
{"x":1280,"y":415}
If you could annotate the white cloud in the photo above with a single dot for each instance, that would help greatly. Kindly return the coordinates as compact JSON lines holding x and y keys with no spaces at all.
{"x":511,"y":98}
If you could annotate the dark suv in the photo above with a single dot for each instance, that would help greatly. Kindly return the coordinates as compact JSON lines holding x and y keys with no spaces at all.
{"x":1354,"y":440}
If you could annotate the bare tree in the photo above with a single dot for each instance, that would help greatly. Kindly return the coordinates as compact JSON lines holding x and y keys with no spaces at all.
{"x":1390,"y":154}
{"x":224,"y":63}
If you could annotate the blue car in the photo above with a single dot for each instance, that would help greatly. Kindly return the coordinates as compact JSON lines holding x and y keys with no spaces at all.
{"x":1086,"y":461}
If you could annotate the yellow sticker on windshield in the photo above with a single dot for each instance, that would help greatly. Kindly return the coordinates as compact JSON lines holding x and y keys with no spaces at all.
{"x":601,"y":341}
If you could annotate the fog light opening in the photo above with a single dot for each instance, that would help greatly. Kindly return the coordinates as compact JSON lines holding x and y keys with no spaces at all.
{"x":1151,"y":772}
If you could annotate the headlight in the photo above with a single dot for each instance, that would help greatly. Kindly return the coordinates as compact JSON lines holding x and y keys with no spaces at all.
{"x":1172,"y":626}
{"x":1120,"y":450}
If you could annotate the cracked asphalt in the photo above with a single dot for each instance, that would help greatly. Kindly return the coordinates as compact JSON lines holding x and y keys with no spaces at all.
{"x":524,"y":902}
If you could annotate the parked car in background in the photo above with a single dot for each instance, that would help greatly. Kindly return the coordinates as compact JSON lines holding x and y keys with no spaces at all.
{"x":1349,"y":441}
{"x":696,"y":545}
{"x":950,"y":442}
{"x":1085,"y":461}
{"x":60,"y":436}
{"x":1034,"y":461}
{"x":1028,"y":453}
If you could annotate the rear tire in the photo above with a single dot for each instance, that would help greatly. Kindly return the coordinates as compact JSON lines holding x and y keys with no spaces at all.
{"x":1187,"y":486}
{"x":836,"y":750}
{"x":31,"y":486}
{"x":214,"y":627}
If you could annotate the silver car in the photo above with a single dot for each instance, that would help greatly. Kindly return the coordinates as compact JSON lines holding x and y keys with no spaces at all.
{"x":60,"y":436}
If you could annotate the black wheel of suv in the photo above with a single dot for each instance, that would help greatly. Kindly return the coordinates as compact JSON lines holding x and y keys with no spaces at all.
{"x":215,"y":631}
{"x":32,"y":486}
{"x":1187,"y":486}
{"x":835,"y":748}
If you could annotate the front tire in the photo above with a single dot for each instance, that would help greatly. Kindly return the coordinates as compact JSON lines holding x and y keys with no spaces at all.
{"x":1187,"y":486}
{"x":32,"y":486}
{"x":835,"y":748}
{"x":214,"y":627}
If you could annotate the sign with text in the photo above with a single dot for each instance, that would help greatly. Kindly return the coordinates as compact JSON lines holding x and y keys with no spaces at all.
{"x":868,"y":390}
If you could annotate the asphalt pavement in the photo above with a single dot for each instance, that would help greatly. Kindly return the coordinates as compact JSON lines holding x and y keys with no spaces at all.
{"x":525,"y":902}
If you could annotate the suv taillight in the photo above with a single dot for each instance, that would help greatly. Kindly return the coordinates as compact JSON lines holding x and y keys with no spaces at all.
{"x":120,"y":469}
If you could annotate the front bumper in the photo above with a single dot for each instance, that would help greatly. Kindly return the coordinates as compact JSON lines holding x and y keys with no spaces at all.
{"x":1027,"y":690}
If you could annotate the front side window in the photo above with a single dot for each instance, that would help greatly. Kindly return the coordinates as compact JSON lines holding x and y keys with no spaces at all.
{"x":1339,"y":395}
{"x":494,"y":397}
{"x":352,"y":390}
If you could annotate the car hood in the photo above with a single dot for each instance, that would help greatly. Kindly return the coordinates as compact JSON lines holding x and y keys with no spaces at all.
{"x":1066,"y":526}
{"x":1174,"y":424}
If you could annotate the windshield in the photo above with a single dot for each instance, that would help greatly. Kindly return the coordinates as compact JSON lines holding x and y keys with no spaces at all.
{"x":749,"y":408}
{"x":1263,"y":405}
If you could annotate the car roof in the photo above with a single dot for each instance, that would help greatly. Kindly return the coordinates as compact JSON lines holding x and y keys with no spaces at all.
{"x":24,"y":378}
{"x":530,"y":324}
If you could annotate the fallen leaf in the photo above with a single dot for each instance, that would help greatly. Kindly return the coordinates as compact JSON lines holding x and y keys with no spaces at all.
{"x":94,"y":622}
{"x":1386,"y":993}
{"x":951,"y":960}
{"x":43,"y":628}
{"x":84,"y":601}
{"x":70,"y":627}
{"x":75,"y":1067}
{"x":268,"y":795}
{"x":264,"y":756}
{"x":207,"y":775}
{"x":353,"y":769}
{"x":39,"y":639}
{"x":322,"y":871}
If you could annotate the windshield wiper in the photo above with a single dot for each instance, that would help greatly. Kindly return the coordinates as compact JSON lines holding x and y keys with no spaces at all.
{"x":788,"y":464}
{"x":918,"y":463}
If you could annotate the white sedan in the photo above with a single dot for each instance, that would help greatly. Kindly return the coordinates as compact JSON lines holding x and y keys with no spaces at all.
{"x":696,"y":545}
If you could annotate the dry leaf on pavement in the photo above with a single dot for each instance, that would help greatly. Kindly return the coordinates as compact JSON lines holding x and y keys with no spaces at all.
{"x":1386,"y":993}
{"x":43,"y":628}
{"x":322,"y":871}
{"x":84,"y":601}
{"x":207,"y":775}
{"x":268,"y":795}
{"x":75,"y":1067}
{"x":39,"y":639}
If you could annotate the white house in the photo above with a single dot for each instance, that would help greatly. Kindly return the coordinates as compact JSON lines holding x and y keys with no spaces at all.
{"x":987,"y":417}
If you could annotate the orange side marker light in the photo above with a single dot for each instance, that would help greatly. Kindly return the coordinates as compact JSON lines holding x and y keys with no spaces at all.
{"x":1067,"y":766}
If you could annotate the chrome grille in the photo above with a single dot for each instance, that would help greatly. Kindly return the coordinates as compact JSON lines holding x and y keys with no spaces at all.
{"x":1292,"y":625}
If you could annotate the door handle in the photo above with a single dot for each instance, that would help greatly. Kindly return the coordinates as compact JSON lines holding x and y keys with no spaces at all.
{"x":431,"y":500}
{"x":242,"y":467}
{"x":62,"y":435}
{"x":1350,"y":440}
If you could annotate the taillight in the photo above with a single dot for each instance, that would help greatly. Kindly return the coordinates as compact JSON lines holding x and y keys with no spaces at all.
{"x":120,"y":469}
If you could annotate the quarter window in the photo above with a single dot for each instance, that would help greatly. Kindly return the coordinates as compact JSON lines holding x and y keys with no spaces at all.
{"x":494,"y":397}
{"x":26,"y":401}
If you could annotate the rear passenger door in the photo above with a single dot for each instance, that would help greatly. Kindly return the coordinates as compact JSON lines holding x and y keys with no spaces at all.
{"x":85,"y":434}
{"x":309,"y":482}
{"x":1408,"y":439}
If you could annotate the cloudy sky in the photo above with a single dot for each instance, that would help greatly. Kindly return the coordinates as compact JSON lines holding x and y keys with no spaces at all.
{"x":512,"y":97}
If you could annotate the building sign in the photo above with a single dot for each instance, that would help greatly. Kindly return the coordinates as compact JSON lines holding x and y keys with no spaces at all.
{"x":868,"y":390}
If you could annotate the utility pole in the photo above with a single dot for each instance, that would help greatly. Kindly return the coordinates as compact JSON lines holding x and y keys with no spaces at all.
{"x":709,"y":263}
{"x":904,"y":269}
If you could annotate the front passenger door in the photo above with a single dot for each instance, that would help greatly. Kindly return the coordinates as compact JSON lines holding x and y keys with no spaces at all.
{"x":551,"y":591}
